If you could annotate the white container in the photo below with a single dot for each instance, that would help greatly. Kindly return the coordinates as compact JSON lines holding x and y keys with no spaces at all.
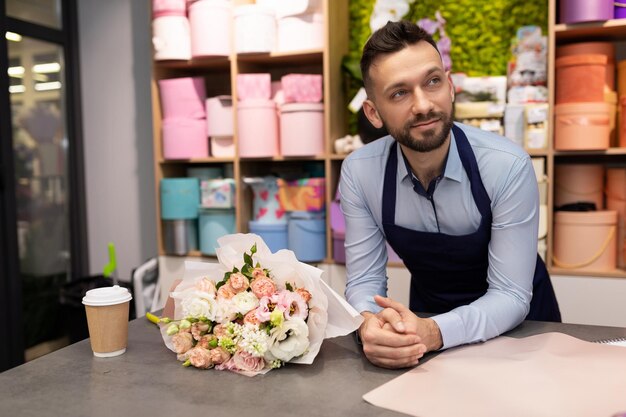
{"x":302,"y":129}
{"x":219,"y":116}
{"x":255,"y":29}
{"x":303,"y":32}
{"x":211,"y":25}
{"x":170,"y":38}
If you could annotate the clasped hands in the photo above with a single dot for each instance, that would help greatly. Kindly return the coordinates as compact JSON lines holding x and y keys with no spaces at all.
{"x":396,"y":337}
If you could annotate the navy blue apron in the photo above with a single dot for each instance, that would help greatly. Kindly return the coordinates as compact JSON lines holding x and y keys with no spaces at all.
{"x":450,"y":271}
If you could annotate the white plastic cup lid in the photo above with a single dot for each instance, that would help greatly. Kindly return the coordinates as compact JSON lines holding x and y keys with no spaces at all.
{"x":107,"y":296}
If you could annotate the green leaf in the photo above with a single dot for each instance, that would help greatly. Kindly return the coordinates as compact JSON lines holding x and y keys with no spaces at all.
{"x":352,"y":66}
{"x":235,"y":270}
{"x":288,"y":286}
{"x":247,"y":271}
{"x":247,"y":259}
{"x":253,"y":249}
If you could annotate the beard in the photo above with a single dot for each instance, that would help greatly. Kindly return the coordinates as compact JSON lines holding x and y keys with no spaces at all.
{"x":431,"y":139}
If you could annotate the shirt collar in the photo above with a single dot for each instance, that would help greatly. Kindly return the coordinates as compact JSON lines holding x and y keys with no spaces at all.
{"x":453,"y":169}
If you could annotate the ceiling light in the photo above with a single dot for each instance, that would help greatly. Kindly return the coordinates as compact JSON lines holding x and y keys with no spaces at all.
{"x":47,"y":68}
{"x":16,"y":89}
{"x":53,"y":85}
{"x":12,"y":36}
{"x":17,"y":72}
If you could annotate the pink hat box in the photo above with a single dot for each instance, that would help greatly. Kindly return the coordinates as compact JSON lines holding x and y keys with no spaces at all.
{"x":302,"y":32}
{"x":580,"y":78}
{"x":302,"y":88}
{"x":168,"y":8}
{"x":582,"y":126}
{"x":302,"y":129}
{"x":222,"y":146}
{"x":616,"y":183}
{"x":257,"y":127}
{"x":170,"y":38}
{"x":254,"y":86}
{"x":585,"y":241}
{"x":255,"y":29}
{"x":185,"y":139}
{"x":183,"y":98}
{"x":219,"y":116}
{"x":210,"y":22}
{"x":574,"y":183}
{"x":339,"y":250}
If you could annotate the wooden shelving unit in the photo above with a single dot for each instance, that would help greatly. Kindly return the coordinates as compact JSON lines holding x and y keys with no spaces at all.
{"x":561,"y":34}
{"x":220,"y":76}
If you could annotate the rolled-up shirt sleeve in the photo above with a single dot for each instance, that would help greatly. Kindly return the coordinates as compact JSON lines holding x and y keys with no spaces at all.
{"x":366,"y":252}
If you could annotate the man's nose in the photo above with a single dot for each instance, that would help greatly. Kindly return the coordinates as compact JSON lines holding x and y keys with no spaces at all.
{"x":422,"y":104}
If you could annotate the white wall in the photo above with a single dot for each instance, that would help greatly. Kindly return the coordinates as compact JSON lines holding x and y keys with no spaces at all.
{"x":115,"y":60}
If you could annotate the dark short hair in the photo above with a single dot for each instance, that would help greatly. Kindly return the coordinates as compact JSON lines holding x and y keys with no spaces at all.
{"x":392,"y":37}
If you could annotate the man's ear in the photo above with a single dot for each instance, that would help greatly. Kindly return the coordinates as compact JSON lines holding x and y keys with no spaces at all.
{"x":372,"y":114}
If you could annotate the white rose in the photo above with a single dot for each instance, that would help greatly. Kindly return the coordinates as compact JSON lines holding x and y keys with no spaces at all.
{"x":195,"y":307}
{"x":224,"y":311}
{"x":244,"y":302}
{"x":288,"y":341}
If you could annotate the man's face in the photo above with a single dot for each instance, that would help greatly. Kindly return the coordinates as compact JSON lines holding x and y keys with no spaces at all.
{"x":411,"y":95}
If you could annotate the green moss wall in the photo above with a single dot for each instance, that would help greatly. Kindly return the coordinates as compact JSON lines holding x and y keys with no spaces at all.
{"x":481,"y":31}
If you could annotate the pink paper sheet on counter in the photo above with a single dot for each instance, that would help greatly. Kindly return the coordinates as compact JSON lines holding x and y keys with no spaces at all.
{"x":550,"y":374}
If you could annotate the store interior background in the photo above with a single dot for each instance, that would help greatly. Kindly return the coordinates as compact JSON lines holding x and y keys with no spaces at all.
{"x":119,"y":164}
{"x":115,"y":67}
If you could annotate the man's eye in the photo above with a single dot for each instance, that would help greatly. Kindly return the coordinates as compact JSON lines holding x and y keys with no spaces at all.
{"x":398,"y":94}
{"x":434,"y":81}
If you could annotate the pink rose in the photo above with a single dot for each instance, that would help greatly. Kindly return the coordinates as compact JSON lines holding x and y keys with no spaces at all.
{"x":226,"y":291}
{"x":221,"y":331}
{"x":251,"y":317}
{"x":219,"y":355}
{"x":258,"y":273}
{"x":306,"y":296}
{"x":182,"y":342}
{"x":238,"y":282}
{"x":206,"y":285}
{"x":244,"y":361}
{"x":205,"y":340}
{"x":200,"y":358}
{"x":263,"y":287}
{"x":199,"y":329}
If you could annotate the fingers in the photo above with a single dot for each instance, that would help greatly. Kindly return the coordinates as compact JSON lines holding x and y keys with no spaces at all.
{"x":387,"y":302}
{"x":384,"y":347}
{"x":394,"y":318}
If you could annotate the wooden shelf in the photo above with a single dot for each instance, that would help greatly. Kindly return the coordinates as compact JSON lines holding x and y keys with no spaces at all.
{"x":306,"y":57}
{"x":617,"y":273}
{"x":610,"y":151}
{"x":614,"y":29}
{"x":210,"y":160}
{"x":337,"y":157}
{"x":286,"y":158}
{"x":221,"y":62}
{"x":537,"y":152}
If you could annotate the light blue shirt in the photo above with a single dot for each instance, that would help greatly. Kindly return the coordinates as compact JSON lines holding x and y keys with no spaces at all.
{"x":509,"y":179}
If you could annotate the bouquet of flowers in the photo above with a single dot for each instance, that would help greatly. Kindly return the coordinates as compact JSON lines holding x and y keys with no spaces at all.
{"x":253,"y":311}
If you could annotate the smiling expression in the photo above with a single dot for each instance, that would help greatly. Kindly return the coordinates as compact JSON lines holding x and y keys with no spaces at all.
{"x":411,"y":94}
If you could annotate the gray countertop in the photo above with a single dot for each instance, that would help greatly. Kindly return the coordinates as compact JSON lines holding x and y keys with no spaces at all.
{"x":148,"y":381}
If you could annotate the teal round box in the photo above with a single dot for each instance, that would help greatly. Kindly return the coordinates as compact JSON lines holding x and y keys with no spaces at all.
{"x":306,"y":235}
{"x":179,"y":198}
{"x":213,"y":224}
{"x":273,"y":234}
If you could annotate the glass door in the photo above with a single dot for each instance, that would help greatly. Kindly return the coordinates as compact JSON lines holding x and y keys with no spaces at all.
{"x":41,"y":203}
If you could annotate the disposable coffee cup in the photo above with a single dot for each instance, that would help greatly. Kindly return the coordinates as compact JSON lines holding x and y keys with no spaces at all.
{"x":107,"y":318}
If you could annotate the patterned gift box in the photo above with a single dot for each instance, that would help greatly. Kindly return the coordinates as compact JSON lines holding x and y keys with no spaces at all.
{"x":307,"y":194}
{"x":218,"y":193}
{"x":254,"y":86}
{"x":302,"y":88}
